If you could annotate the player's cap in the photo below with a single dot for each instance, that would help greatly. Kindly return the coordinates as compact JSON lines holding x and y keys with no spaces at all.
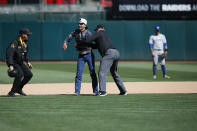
{"x":24,"y":31}
{"x":157,"y":28}
{"x":99,"y":26}
{"x":82,"y":20}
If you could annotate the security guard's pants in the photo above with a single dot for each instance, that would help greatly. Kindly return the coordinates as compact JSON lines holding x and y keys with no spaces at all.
{"x":22,"y":78}
{"x":110,"y":63}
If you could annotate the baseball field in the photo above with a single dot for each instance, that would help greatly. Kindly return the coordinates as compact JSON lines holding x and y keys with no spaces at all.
{"x":152,"y":105}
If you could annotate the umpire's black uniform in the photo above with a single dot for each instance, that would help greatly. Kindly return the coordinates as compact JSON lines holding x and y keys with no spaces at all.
{"x":16,"y":54}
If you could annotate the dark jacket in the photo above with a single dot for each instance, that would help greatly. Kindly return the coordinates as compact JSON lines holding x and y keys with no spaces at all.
{"x":16,"y":53}
{"x":102,"y":42}
{"x":79,"y":35}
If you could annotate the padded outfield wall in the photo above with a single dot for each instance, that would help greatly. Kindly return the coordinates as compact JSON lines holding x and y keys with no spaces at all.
{"x":129,"y":37}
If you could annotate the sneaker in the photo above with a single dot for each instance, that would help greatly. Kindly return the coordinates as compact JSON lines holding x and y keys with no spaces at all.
{"x":102,"y":93}
{"x":166,"y":77}
{"x":154,"y":77}
{"x":123,"y":93}
{"x":76,"y":94}
{"x":21,"y":93}
{"x":95,"y":94}
{"x":11,"y":94}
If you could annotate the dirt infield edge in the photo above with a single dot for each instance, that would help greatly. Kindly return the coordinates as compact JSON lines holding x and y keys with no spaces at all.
{"x":132,"y":88}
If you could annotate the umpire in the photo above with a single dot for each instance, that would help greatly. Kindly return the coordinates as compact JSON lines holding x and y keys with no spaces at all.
{"x":16,"y":55}
{"x":110,"y":57}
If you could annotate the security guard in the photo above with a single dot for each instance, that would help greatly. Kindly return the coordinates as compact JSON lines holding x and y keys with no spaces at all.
{"x":16,"y":55}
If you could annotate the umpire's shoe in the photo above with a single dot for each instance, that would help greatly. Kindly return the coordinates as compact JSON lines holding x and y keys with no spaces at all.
{"x":102,"y":93}
{"x":21,"y":93}
{"x":11,"y":94}
{"x":123,"y":93}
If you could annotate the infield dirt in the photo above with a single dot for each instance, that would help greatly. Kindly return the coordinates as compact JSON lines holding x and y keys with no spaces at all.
{"x":132,"y":88}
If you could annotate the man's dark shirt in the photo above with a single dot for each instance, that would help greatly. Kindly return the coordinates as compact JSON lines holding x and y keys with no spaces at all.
{"x":102,"y":42}
{"x":79,"y":35}
{"x":16,"y":53}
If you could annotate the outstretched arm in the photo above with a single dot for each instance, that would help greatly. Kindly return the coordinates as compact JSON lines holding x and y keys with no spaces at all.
{"x":64,"y":46}
{"x":68,"y":39}
{"x":84,"y":44}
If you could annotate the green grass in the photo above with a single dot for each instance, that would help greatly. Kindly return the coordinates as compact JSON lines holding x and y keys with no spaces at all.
{"x":136,"y":112}
{"x":129,"y":71}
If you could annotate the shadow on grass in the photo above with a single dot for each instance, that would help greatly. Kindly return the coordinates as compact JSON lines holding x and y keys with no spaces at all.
{"x":48,"y":95}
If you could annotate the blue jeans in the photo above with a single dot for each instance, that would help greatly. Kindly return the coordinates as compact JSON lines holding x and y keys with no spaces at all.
{"x":82,"y":59}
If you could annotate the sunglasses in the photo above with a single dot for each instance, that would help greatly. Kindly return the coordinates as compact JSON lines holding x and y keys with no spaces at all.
{"x":81,"y":23}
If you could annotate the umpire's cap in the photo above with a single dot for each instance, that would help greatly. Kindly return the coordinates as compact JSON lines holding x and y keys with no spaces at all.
{"x":13,"y":73}
{"x":99,"y":26}
{"x":24,"y":31}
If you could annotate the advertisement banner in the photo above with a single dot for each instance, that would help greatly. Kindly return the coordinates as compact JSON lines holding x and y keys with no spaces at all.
{"x":154,"y":9}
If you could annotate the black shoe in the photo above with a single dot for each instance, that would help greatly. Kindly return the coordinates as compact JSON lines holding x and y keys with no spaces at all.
{"x":123,"y":93}
{"x":11,"y":94}
{"x":21,"y":93}
{"x":102,"y":93}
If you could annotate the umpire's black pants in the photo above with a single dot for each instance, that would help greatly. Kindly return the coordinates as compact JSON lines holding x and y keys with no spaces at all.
{"x":22,"y":78}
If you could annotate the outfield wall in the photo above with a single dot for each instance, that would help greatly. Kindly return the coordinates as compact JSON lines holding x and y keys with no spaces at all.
{"x":129,"y":37}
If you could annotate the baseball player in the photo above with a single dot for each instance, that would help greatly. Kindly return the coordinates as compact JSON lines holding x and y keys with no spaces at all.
{"x":85,"y":55}
{"x":159,"y":50}
{"x":16,"y":55}
{"x":109,"y":62}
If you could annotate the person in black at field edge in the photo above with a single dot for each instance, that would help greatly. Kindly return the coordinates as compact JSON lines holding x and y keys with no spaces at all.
{"x":16,"y":55}
{"x":110,"y":57}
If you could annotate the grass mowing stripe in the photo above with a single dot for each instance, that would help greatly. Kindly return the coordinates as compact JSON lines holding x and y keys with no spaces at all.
{"x":68,"y":103}
{"x":187,"y":67}
{"x":133,"y":71}
{"x":139,"y":112}
{"x":41,"y":76}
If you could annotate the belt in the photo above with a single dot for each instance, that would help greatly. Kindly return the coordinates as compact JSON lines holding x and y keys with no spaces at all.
{"x":85,"y":52}
{"x":157,"y":49}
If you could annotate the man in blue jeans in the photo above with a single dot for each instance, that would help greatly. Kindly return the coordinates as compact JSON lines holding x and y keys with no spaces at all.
{"x":85,"y":55}
{"x":109,"y":62}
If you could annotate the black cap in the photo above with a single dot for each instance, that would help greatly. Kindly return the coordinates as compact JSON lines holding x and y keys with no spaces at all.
{"x":99,"y":26}
{"x":24,"y":31}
